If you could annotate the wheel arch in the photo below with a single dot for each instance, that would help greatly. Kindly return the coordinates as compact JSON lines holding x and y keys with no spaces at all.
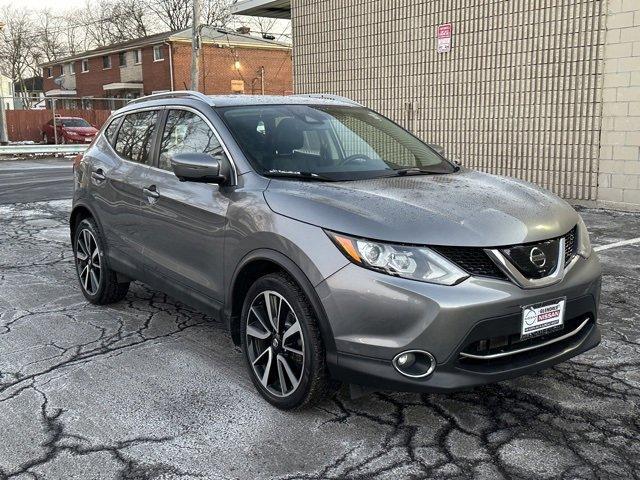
{"x":79,"y":212}
{"x":262,"y":262}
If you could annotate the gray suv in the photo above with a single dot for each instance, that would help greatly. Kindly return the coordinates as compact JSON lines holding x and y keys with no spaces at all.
{"x":335,"y":245}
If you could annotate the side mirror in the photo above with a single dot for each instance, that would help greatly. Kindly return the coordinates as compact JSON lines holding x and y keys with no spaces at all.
{"x":201,"y":167}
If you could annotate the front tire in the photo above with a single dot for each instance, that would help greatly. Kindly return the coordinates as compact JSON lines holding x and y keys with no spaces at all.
{"x":282,"y":345}
{"x":99,"y":284}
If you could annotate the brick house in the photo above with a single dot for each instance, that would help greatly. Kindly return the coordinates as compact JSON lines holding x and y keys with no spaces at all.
{"x":231,"y":62}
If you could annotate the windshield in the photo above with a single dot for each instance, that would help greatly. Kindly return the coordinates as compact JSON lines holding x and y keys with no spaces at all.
{"x":328,"y":142}
{"x":74,"y":122}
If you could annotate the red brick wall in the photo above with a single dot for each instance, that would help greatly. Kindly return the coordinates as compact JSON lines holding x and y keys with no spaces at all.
{"x":155,"y":75}
{"x":47,"y":83}
{"x":218,"y":69}
{"x":90,"y":83}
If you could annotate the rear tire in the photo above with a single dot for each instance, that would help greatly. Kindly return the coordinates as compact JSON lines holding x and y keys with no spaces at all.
{"x":99,"y":284}
{"x":285,"y":339}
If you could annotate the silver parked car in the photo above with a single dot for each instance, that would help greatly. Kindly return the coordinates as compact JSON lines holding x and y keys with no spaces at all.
{"x":336,"y":246}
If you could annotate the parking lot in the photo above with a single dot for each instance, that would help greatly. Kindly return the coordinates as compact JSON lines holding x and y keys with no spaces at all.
{"x":149,"y":388}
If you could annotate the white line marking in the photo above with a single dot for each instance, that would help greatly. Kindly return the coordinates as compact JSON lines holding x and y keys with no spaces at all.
{"x":621,"y":243}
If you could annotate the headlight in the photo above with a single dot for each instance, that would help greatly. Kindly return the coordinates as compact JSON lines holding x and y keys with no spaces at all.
{"x":584,"y":243}
{"x":415,"y":263}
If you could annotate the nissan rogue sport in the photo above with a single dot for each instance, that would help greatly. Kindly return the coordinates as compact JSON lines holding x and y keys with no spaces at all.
{"x":335,"y":245}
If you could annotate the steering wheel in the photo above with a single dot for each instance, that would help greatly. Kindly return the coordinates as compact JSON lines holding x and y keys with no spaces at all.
{"x":356,"y":159}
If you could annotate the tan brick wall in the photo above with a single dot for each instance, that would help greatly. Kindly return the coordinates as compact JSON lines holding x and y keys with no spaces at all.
{"x":518,"y":94}
{"x":619,"y":177}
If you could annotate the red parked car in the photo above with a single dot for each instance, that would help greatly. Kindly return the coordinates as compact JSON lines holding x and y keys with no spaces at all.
{"x":70,"y":130}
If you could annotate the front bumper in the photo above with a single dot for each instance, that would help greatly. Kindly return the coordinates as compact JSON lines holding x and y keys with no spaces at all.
{"x":375,"y":316}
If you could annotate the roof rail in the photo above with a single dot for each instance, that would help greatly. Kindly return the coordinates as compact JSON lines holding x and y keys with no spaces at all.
{"x":328,"y":96}
{"x":175,"y":94}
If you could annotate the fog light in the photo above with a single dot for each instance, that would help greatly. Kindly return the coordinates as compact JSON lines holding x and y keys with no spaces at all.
{"x":414,"y":363}
{"x":405,"y":359}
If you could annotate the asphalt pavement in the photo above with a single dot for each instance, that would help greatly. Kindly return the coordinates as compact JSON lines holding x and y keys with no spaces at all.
{"x":35,"y":180}
{"x":150,"y":389}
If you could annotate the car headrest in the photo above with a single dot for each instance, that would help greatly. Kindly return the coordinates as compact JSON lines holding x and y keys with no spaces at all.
{"x":288,"y":136}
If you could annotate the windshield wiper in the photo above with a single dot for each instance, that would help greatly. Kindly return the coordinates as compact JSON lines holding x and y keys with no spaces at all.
{"x":300,"y":175}
{"x":415,"y":171}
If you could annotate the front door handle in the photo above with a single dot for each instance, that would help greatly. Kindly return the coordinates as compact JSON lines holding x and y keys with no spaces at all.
{"x":98,"y":175}
{"x":151,"y":192}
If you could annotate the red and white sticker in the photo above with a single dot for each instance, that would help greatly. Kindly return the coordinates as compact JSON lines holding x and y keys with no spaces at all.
{"x":445,"y":32}
{"x":539,"y":318}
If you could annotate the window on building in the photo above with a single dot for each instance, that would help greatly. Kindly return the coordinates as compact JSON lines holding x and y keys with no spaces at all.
{"x":158,"y":53}
{"x":106,"y":61}
{"x":135,"y":136}
{"x":72,"y":68}
{"x":49,"y":72}
{"x":122,"y":59}
{"x":137,"y":56}
{"x":186,"y":132}
{"x":85,"y":65}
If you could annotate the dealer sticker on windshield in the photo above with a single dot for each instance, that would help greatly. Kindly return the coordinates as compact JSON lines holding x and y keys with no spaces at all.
{"x":542,"y":317}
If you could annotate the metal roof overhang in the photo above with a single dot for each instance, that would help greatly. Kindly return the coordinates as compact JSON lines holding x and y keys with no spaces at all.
{"x":263,"y":8}
{"x":58,"y":92}
{"x":123,"y":86}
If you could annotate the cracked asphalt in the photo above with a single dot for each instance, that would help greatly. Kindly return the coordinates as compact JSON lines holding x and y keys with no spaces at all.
{"x":149,"y":388}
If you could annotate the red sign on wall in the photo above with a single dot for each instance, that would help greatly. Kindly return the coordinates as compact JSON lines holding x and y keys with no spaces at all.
{"x":444,"y":37}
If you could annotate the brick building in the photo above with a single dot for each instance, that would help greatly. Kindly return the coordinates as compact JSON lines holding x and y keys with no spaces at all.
{"x":547,"y":91}
{"x":231,"y":62}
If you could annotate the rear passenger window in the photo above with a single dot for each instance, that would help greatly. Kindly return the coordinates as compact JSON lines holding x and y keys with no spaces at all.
{"x":186,"y":132}
{"x":112,"y":129}
{"x":135,"y":136}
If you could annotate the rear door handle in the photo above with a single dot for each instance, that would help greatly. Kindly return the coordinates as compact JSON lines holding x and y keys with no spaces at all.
{"x":98,"y":175}
{"x":151,"y":192}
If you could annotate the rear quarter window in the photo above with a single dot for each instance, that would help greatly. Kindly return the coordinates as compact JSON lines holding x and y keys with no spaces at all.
{"x":136,"y":136}
{"x":111,"y":130}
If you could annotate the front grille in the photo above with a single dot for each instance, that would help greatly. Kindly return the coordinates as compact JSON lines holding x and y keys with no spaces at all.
{"x":472,"y":260}
{"x":570,"y":245}
{"x":476,"y":262}
{"x":517,"y":348}
{"x":522,"y":257}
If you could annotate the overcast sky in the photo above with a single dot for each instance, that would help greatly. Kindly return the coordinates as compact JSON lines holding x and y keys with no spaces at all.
{"x":51,"y":4}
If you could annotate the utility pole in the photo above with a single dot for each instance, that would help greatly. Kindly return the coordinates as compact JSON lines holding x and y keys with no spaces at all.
{"x":4,"y":138}
{"x":262,"y":79}
{"x":195,"y":46}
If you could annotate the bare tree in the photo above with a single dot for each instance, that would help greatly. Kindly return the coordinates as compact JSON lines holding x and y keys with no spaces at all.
{"x":18,"y":49}
{"x":173,"y":14}
{"x":76,"y":37}
{"x":128,"y":19}
{"x":113,"y":21}
{"x":216,"y":13}
{"x":50,"y":29}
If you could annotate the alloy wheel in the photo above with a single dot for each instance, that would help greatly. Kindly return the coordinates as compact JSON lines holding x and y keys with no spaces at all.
{"x":88,"y":262}
{"x":275,"y":344}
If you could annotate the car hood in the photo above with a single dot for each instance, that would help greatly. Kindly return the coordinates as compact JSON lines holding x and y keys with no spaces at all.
{"x":466,"y":208}
{"x":81,"y":130}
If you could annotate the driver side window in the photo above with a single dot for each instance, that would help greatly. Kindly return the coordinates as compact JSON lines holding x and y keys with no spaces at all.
{"x":186,"y":132}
